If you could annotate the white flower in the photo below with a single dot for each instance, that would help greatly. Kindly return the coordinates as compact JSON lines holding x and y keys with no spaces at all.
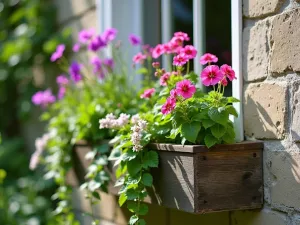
{"x":40,"y":144}
{"x":135,"y":118}
{"x":136,"y":137}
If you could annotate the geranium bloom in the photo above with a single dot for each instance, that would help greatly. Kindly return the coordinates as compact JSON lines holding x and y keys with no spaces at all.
{"x":156,"y":65}
{"x":174,"y":47}
{"x":75,"y":72}
{"x":109,"y":34}
{"x":169,"y":106}
{"x":228,"y":72}
{"x":182,"y":35}
{"x":180,"y":60}
{"x":208,"y":58}
{"x":85,"y":35}
{"x":96,"y":44}
{"x":164,"y":78}
{"x":97,"y":64}
{"x":167,"y":48}
{"x":43,"y":98}
{"x":148,"y":93}
{"x":224,"y":82}
{"x":173,"y":93}
{"x":158,"y":51}
{"x":76,"y":47}
{"x":134,"y":40}
{"x":178,"y":40}
{"x":211,"y":75}
{"x":185,"y":88}
{"x":189,"y":51}
{"x":62,"y":80}
{"x":58,"y":53}
{"x":109,"y":62}
{"x":139,"y":58}
{"x":61,"y":92}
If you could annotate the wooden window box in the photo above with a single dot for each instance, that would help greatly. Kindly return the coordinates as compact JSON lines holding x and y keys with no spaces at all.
{"x":194,"y":179}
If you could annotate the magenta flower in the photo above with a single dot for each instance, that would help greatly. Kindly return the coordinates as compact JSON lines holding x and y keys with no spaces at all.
{"x":134,"y":39}
{"x":97,"y":64}
{"x":158,"y":51}
{"x":74,"y":70}
{"x":109,"y":35}
{"x":173,"y":93}
{"x":139,"y":58}
{"x":62,"y":80}
{"x":168,"y":48}
{"x":189,"y":51}
{"x":185,"y":88}
{"x":43,"y":98}
{"x":177,"y":40}
{"x":228,"y":72}
{"x":169,"y":106}
{"x":211,"y":75}
{"x":85,"y":35}
{"x":76,"y":47}
{"x":208,"y":58}
{"x":109,"y":62}
{"x":96,"y":44}
{"x":182,"y":35}
{"x":156,"y":65}
{"x":224,"y":81}
{"x":61,"y":92}
{"x":180,"y":60}
{"x":58,"y":53}
{"x":163,"y":81}
{"x":148,"y":93}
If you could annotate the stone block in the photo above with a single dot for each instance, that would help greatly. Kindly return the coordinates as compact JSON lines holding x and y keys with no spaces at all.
{"x":259,"y":8}
{"x":180,"y":218}
{"x":284,"y":40}
{"x":295,"y":126}
{"x":256,"y":51}
{"x":265,"y":108}
{"x":258,"y":217}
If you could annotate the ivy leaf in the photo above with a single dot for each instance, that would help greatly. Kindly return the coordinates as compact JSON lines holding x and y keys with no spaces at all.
{"x":133,"y":219}
{"x":104,"y":148}
{"x":119,"y":182}
{"x":133,"y":167}
{"x":122,"y":199}
{"x":207,"y":123}
{"x":231,"y":110}
{"x":141,"y":222}
{"x":218,"y":130}
{"x":143,"y":209}
{"x":132,"y":206}
{"x":232,"y":100}
{"x":174,"y":133}
{"x":219,"y":115}
{"x":96,"y":195}
{"x":147,"y":179}
{"x":210,"y":140}
{"x":138,"y":208}
{"x":132,"y":194}
{"x":115,"y":154}
{"x":150,"y":159}
{"x":190,"y":131}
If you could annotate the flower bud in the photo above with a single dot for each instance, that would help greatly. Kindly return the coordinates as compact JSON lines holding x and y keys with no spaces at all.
{"x":156,"y":65}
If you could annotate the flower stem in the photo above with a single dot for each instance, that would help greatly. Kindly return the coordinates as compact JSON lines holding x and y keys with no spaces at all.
{"x":188,"y":67}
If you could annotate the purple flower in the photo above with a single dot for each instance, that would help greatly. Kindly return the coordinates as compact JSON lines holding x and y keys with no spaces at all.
{"x":62,"y":80}
{"x":75,"y":72}
{"x":58,"y":53}
{"x":85,"y":35}
{"x":134,"y":40}
{"x":96,"y":63}
{"x":43,"y":98}
{"x":76,"y":47}
{"x":109,"y":62}
{"x":61,"y":92}
{"x":96,"y":43}
{"x":109,"y":34}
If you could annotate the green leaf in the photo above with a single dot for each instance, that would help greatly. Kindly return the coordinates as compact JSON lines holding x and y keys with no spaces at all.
{"x":141,"y":222}
{"x":207,"y":123}
{"x":133,"y":219}
{"x":190,"y":131}
{"x":174,"y":133}
{"x":132,"y":194}
{"x":134,"y":166}
{"x":183,"y":140}
{"x":218,"y":130}
{"x":232,"y":100}
{"x":143,"y":209}
{"x":150,"y":159}
{"x":219,"y":115}
{"x":104,"y":148}
{"x":132,"y":206}
{"x":122,"y":199}
{"x":147,"y":179}
{"x":142,"y":70}
{"x":138,"y":208}
{"x":231,"y":110}
{"x":96,"y":195}
{"x":115,"y":154}
{"x":210,"y":140}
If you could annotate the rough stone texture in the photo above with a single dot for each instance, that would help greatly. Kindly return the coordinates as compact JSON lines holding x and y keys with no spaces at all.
{"x":260,"y":8}
{"x":284,"y":39}
{"x":180,"y":218}
{"x":296,"y":220}
{"x":68,"y":9}
{"x":256,"y":51}
{"x":265,"y":110}
{"x":295,"y":126}
{"x":284,"y":179}
{"x":263,"y":217}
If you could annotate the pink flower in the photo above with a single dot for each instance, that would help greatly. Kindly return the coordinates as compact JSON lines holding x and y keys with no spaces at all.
{"x":85,"y":35}
{"x":211,"y":75}
{"x":134,"y":39}
{"x":76,"y":47}
{"x":43,"y":98}
{"x":180,"y":60}
{"x":164,"y":78}
{"x":62,"y":80}
{"x":174,"y":47}
{"x":169,"y":106}
{"x":178,"y":40}
{"x":167,"y":48}
{"x":185,"y":88}
{"x":158,"y":51}
{"x":189,"y":51}
{"x":224,"y":82}
{"x":61,"y":92}
{"x":228,"y":72}
{"x":148,"y":93}
{"x":208,"y":58}
{"x":109,"y":34}
{"x":156,"y":65}
{"x":139,"y":58}
{"x":173,"y":93}
{"x":182,"y":35}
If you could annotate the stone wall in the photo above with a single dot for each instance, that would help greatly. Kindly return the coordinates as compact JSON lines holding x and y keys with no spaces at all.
{"x":271,"y":60}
